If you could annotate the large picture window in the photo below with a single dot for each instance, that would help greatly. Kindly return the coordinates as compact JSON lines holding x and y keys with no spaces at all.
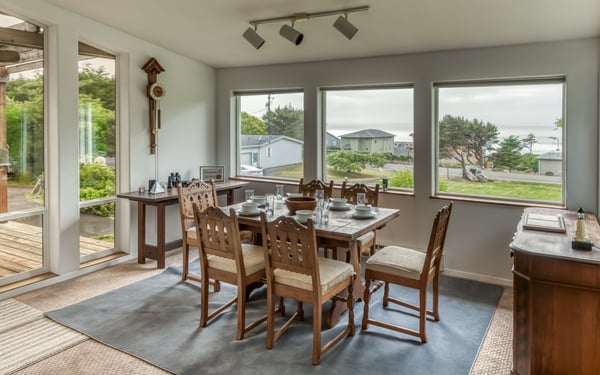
{"x":271,"y":134}
{"x":501,"y":140}
{"x":368,"y":135}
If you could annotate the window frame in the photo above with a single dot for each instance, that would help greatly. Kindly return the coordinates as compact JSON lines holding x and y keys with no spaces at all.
{"x":530,"y":81}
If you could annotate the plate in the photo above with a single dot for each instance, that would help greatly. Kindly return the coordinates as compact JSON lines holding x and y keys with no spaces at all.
{"x":341,"y":208}
{"x":249,"y":214}
{"x":370,"y":215}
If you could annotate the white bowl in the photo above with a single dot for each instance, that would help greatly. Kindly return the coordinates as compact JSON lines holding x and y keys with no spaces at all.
{"x":362,"y":210}
{"x":339,"y":202}
{"x":294,"y":195}
{"x":260,"y":199}
{"x":250,"y":207}
{"x":303,"y":215}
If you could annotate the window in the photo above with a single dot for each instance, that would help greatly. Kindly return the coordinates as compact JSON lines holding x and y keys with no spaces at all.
{"x":271,"y":122}
{"x":368,"y":135}
{"x":97,"y":152}
{"x":22,"y":144}
{"x":501,"y":140}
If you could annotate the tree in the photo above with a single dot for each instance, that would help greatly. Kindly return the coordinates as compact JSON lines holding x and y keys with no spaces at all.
{"x":465,"y":140}
{"x":252,"y":125}
{"x":354,"y":161}
{"x":559,"y":122}
{"x":529,"y":141}
{"x":508,"y":154}
{"x":286,"y":121}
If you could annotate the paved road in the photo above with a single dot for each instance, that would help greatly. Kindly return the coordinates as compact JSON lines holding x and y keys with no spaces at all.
{"x":457,"y":172}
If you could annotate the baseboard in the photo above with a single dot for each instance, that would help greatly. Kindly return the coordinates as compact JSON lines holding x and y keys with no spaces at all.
{"x":478,"y":277}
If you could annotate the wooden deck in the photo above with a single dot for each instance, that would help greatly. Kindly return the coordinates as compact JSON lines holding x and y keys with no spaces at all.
{"x":21,"y":247}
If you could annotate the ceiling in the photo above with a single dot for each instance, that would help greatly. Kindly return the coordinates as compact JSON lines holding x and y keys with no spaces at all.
{"x":210,"y":31}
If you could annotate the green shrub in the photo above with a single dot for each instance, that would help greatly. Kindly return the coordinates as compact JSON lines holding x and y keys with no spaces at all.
{"x":402,"y":179}
{"x":97,"y":181}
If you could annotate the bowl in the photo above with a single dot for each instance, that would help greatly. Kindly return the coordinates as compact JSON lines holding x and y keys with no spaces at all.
{"x":303,"y":215}
{"x":300,"y":203}
{"x":362,"y":210}
{"x":249,"y":207}
{"x":294,"y":195}
{"x":338,"y":202}
{"x":260,"y":199}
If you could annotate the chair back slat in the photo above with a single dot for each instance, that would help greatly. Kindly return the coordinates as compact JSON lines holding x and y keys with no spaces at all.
{"x":290,"y":245}
{"x":349,"y":192}
{"x":218,"y":233}
{"x":437,"y":239}
{"x":308,"y":189}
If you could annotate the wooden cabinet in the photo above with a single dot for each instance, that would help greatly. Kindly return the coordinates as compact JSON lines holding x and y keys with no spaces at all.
{"x":556,"y":300}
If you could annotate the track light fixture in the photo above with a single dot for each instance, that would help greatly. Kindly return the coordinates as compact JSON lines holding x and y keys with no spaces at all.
{"x":253,"y":38}
{"x":290,"y":33}
{"x":345,"y":27}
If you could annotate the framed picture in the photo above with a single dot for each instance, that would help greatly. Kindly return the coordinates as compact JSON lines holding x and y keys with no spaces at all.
{"x":212,"y":172}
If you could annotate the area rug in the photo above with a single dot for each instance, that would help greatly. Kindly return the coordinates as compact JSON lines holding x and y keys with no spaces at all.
{"x":26,"y":336}
{"x":157,"y":320}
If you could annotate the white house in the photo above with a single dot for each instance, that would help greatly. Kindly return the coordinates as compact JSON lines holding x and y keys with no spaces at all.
{"x":270,"y":151}
{"x":368,"y":140}
{"x":550,"y":163}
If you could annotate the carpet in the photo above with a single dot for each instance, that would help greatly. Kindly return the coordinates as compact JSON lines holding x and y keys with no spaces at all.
{"x":157,"y":320}
{"x":27,"y":337}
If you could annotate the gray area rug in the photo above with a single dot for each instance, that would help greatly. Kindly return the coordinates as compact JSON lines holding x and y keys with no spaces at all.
{"x":157,"y":321}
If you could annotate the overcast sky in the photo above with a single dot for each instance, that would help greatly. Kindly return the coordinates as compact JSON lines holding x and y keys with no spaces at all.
{"x":515,"y":110}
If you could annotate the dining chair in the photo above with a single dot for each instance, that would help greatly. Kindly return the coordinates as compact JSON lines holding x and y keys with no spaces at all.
{"x":309,"y":189}
{"x":225,"y":258}
{"x":367,"y":241}
{"x":410,"y":268}
{"x":294,"y":270}
{"x":204,"y":195}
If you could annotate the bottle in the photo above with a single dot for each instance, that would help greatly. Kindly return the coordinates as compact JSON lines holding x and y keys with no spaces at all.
{"x":580,"y":234}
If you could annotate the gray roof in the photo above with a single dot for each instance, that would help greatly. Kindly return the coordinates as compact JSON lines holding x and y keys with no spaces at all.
{"x":259,"y":140}
{"x":368,"y":133}
{"x":552,"y":155}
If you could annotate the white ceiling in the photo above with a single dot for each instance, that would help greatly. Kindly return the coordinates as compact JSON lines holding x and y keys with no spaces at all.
{"x":210,"y":31}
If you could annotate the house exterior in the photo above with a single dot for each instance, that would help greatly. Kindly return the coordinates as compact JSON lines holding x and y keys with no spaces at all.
{"x":332,"y":141}
{"x":270,"y":151}
{"x":550,"y":163}
{"x":403,"y":148}
{"x":368,"y":140}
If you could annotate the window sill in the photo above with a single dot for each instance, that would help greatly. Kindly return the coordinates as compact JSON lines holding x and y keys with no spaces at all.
{"x":497,"y":202}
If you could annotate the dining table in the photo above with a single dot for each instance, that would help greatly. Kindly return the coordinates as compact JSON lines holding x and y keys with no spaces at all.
{"x":340,"y":232}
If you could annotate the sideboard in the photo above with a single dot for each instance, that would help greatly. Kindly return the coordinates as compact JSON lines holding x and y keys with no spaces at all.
{"x":556,"y":307}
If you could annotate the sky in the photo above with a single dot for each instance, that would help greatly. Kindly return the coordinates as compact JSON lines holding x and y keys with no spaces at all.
{"x":515,"y":110}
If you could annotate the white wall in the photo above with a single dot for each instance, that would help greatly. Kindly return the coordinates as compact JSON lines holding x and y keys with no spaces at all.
{"x":186,"y":140}
{"x":479,"y":233}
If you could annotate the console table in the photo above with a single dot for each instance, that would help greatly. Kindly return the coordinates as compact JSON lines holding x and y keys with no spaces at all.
{"x":160,"y":201}
{"x":556,"y":307}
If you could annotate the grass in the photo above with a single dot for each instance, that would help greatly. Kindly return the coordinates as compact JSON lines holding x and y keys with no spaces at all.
{"x":505,"y":189}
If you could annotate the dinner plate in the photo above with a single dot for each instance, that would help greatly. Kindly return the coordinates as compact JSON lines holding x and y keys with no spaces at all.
{"x":370,"y":215}
{"x":250,"y":214}
{"x":340,"y":208}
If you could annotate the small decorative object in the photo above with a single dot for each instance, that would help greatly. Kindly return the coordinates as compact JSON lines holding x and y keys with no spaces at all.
{"x":300,"y":203}
{"x":384,"y":182}
{"x":581,"y":241}
{"x":212,"y":172}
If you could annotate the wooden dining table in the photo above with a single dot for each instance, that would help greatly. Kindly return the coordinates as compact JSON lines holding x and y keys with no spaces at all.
{"x":340,"y":232}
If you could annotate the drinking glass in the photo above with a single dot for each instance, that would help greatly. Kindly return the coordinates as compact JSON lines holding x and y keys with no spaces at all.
{"x":361,"y":199}
{"x":248,"y":194}
{"x":279,"y":191}
{"x":269,"y":204}
{"x":319,"y":194}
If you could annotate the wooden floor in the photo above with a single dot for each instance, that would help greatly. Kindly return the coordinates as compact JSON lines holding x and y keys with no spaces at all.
{"x":21,"y":247}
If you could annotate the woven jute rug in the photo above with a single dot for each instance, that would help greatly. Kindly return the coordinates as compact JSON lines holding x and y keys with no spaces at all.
{"x":27,"y":337}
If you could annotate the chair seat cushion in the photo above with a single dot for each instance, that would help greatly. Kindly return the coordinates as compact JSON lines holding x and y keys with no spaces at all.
{"x":331,"y":273}
{"x":254,"y":260}
{"x":365,"y":239}
{"x":396,"y":260}
{"x":191,"y":233}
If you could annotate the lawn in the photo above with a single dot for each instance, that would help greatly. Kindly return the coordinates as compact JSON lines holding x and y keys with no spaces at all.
{"x":506,"y":189}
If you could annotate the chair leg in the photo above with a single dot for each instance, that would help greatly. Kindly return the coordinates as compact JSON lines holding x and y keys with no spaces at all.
{"x":423,"y":314}
{"x":203,"y":303}
{"x":366,"y":300}
{"x":317,"y":317}
{"x":270,"y":321}
{"x":436,"y":291}
{"x":386,"y":294}
{"x":241,"y":312}
{"x":186,"y":260}
{"x":350,"y":302}
{"x":300,"y":310}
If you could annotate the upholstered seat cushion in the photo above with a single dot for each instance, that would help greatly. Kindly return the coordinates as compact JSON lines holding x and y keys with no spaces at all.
{"x":331,"y":273}
{"x":254,"y":260}
{"x":191,"y":233}
{"x":396,"y":260}
{"x":365,"y":239}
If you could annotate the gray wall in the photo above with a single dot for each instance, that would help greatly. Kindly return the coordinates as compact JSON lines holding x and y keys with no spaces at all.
{"x":479,"y":233}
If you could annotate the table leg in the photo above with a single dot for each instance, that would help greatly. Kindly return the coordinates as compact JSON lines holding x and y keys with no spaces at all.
{"x":141,"y":232}
{"x":160,"y":235}
{"x":337,"y":308}
{"x":230,"y":197}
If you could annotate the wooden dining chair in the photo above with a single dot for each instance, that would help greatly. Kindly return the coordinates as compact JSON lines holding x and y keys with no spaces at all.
{"x":367,"y":241}
{"x":410,"y":268}
{"x":294,"y":270}
{"x":225,"y":258}
{"x":309,"y":189}
{"x":204,"y":195}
